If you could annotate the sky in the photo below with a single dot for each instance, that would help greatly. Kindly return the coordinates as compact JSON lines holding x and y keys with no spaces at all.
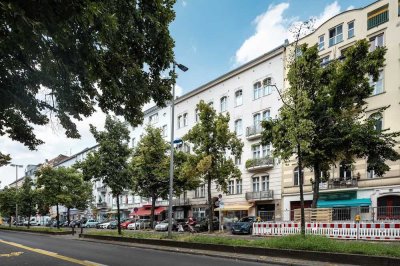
{"x":211,"y":37}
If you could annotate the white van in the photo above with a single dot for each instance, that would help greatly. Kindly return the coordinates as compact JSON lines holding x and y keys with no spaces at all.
{"x":38,"y":220}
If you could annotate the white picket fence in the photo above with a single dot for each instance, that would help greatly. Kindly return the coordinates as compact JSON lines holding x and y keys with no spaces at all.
{"x":361,"y":231}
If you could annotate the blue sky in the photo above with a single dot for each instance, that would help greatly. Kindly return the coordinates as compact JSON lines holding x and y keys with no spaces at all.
{"x":208,"y":33}
{"x":211,"y":37}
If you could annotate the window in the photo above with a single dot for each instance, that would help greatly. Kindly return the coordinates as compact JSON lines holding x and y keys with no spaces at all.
{"x":345,"y":171}
{"x":200,"y":192}
{"x":164,"y":130}
{"x":223,"y":103}
{"x":186,"y":148}
{"x":350,"y":29}
{"x":266,"y":150}
{"x":376,"y":41}
{"x":267,"y":84}
{"x":238,"y":160}
{"x":238,"y":186}
{"x":238,"y":127}
{"x":256,"y":184}
{"x":185,"y":119}
{"x":324,"y":60}
{"x":265,"y":183}
{"x":321,"y":42}
{"x":378,"y":16}
{"x":211,"y":104}
{"x":238,"y":97}
{"x":377,"y":85}
{"x":258,"y":90}
{"x":378,"y":121}
{"x":196,"y":115}
{"x":296,"y":177}
{"x":153,"y":118}
{"x":199,"y":213}
{"x":298,"y":52}
{"x":371,"y":174}
{"x":335,"y":35}
{"x":256,"y":151}
{"x":257,"y":120}
{"x":266,"y":115}
{"x":179,"y":121}
{"x":231,"y":187}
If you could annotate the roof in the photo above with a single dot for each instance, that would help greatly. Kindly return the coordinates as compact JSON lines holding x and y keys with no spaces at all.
{"x":76,"y":154}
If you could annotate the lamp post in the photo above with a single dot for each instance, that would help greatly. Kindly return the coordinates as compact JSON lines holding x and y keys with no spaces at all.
{"x":171,"y":162}
{"x":16,"y":189}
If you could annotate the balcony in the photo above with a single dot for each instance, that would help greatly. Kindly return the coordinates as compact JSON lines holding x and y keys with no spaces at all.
{"x":259,"y":164}
{"x":102,"y":189}
{"x":180,"y":202}
{"x":260,"y":195}
{"x":339,"y":183}
{"x":102,"y":205}
{"x":253,"y":132}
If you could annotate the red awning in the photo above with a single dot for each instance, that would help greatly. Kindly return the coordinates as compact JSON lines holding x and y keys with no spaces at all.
{"x":146,"y":212}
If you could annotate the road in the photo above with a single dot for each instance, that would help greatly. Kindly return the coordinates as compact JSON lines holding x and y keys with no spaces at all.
{"x":30,"y":249}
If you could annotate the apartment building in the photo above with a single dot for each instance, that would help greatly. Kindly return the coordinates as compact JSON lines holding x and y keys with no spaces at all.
{"x":352,"y":185}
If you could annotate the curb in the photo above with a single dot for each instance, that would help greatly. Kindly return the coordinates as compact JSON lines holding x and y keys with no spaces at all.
{"x":36,"y":232}
{"x":355,"y":259}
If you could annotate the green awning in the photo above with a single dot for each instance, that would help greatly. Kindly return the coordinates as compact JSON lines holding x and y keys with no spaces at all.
{"x":344,"y":203}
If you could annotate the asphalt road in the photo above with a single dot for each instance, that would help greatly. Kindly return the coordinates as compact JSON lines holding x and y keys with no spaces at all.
{"x":29,"y":249}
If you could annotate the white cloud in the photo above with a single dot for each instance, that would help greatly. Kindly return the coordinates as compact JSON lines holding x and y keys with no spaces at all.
{"x":350,"y":7}
{"x":271,"y":29}
{"x":184,"y":3}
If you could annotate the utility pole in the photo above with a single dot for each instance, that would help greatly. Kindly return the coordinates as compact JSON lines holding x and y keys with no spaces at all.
{"x":16,"y":189}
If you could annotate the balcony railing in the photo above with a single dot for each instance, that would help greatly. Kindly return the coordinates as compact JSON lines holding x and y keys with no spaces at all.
{"x":102,"y":189}
{"x":259,"y":163}
{"x":253,"y":131}
{"x":260,"y":195}
{"x":339,"y":183}
{"x":102,"y":205}
{"x":180,"y":202}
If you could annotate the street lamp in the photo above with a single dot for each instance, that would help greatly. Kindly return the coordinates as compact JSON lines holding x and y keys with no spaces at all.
{"x":16,"y":189}
{"x":171,"y":162}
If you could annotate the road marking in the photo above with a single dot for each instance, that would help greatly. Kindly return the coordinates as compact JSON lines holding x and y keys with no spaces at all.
{"x":12,"y":254}
{"x":51,"y":254}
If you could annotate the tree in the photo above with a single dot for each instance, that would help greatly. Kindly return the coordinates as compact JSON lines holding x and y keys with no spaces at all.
{"x":331,"y":103}
{"x":8,"y":201}
{"x":109,"y":163}
{"x":4,"y":159}
{"x":61,"y":58}
{"x":150,"y":169}
{"x":79,"y":191}
{"x":27,"y":199}
{"x":52,"y":183}
{"x":212,"y":140}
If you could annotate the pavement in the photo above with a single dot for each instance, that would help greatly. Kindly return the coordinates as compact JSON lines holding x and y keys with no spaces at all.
{"x":20,"y":248}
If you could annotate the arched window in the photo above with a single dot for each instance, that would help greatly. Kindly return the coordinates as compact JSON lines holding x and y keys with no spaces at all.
{"x":224,"y":101}
{"x":378,"y":121}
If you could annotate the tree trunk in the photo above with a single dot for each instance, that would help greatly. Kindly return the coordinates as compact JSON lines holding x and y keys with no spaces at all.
{"x":58,"y":218}
{"x":68,"y":213}
{"x":302,"y":220}
{"x":317,"y":180}
{"x":29,"y":221}
{"x":210,"y":207}
{"x":153,"y":207}
{"x":118,"y":217}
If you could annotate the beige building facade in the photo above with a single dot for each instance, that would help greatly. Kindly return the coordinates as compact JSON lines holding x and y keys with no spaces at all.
{"x":352,"y":185}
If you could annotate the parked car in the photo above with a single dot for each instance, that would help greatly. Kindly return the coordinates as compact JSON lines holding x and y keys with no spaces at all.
{"x":244,"y":225}
{"x":103,"y":225}
{"x":33,"y":222}
{"x":91,"y":223}
{"x":113,"y":225}
{"x":140,"y":224}
{"x":202,"y":225}
{"x":124,"y":224}
{"x":75,"y":223}
{"x":163,"y":226}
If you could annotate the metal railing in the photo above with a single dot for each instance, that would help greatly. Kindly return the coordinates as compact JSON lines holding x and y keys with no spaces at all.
{"x":180,"y":202}
{"x":339,"y":183}
{"x":260,"y":162}
{"x":102,"y":204}
{"x":253,"y":130}
{"x":260,"y":195}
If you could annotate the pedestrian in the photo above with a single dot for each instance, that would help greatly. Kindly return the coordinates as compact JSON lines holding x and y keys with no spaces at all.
{"x":357,"y":218}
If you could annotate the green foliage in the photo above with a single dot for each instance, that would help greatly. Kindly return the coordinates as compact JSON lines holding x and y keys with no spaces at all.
{"x":150,"y":168}
{"x":63,"y":57}
{"x":27,"y":199}
{"x":109,"y":163}
{"x":4,"y":159}
{"x":8,"y":200}
{"x":212,"y":140}
{"x":324,"y":112}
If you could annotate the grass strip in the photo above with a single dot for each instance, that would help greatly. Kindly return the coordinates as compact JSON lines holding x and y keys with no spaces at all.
{"x":35,"y":229}
{"x":296,"y":242}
